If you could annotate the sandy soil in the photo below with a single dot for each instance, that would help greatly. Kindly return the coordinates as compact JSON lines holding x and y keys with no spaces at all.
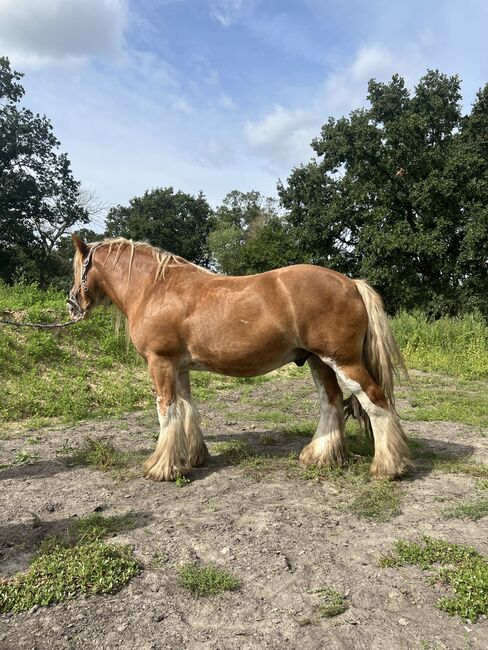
{"x":285,"y":538}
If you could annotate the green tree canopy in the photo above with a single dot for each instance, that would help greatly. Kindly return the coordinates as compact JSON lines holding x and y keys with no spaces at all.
{"x":249,"y":235}
{"x":39,"y":198}
{"x":175,"y":221}
{"x":398,"y":195}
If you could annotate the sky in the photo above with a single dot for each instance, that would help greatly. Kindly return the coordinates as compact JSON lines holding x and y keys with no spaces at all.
{"x":217,"y":95}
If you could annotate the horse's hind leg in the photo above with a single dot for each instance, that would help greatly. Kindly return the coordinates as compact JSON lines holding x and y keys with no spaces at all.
{"x":171,"y":458}
{"x":197,"y":449}
{"x":391,"y":454}
{"x":327,"y":447}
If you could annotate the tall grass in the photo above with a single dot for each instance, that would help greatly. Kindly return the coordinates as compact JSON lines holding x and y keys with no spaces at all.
{"x":456,"y":346}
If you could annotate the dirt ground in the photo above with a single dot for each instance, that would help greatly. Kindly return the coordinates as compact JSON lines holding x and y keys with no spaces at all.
{"x":283,"y":536}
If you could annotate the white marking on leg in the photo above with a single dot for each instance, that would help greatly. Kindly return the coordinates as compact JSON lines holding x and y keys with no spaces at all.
{"x":391,"y":455}
{"x":327,"y":447}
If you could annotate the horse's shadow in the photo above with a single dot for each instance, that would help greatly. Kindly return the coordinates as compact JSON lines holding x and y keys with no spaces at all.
{"x":35,"y":469}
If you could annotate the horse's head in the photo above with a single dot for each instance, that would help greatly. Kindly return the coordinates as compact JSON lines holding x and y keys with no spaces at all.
{"x":85,"y":292}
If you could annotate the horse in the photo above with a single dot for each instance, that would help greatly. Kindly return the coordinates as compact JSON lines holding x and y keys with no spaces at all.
{"x":182,"y":317}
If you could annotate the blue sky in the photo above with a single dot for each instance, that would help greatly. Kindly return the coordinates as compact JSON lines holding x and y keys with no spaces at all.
{"x":216,"y":95}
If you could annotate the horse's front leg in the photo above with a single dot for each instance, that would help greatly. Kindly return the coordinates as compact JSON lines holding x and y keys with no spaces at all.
{"x":171,"y":458}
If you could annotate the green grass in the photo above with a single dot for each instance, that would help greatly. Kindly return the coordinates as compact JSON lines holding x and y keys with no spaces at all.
{"x":376,"y":500}
{"x":432,"y":399}
{"x":456,"y":346}
{"x":206,"y":580}
{"x":95,"y":526}
{"x":460,"y":567}
{"x":104,"y":455}
{"x":473,"y":510}
{"x":65,"y":572}
{"x":75,"y":562}
{"x":333,"y":603}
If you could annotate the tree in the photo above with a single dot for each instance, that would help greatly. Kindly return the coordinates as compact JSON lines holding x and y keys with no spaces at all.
{"x":398,"y":195}
{"x":39,"y":197}
{"x":249,"y":236}
{"x":175,"y":221}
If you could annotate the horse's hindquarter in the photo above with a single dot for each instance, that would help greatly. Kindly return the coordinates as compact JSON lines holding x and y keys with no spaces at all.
{"x":253,"y":324}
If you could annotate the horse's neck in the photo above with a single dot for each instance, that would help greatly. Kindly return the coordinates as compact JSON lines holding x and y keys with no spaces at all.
{"x":120,"y":281}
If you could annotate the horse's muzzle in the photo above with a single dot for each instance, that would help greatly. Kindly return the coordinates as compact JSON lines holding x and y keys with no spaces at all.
{"x":75,"y":310}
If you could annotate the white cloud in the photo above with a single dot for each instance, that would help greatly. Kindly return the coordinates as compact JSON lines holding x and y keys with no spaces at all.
{"x":226,"y":12}
{"x":282,"y":137}
{"x":45,"y":32}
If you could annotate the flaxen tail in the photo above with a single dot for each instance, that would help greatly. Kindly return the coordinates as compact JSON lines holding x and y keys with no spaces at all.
{"x":381,"y":354}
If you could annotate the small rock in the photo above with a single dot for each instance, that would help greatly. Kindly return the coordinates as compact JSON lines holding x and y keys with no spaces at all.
{"x":402,"y":621}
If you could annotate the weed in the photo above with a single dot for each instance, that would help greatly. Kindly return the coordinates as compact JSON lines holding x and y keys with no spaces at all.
{"x":267,"y":440}
{"x":102,"y":454}
{"x":65,"y":572}
{"x":21,"y":458}
{"x":95,"y":526}
{"x":461,"y":567}
{"x":333,"y":603}
{"x":457,"y":346}
{"x":299,"y":429}
{"x":207,"y":580}
{"x":376,"y":500}
{"x":181,"y":481}
{"x":472,"y":510}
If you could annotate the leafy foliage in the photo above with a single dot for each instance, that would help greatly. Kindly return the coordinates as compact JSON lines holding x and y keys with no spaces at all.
{"x":249,"y":236}
{"x":398,"y":195}
{"x":39,"y":197}
{"x":174,"y":221}
{"x":461,"y":567}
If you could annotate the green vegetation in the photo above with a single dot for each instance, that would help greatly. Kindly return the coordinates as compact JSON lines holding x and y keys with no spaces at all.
{"x":77,"y":563}
{"x":66,"y":572}
{"x":376,"y":500}
{"x":470,"y":510}
{"x":104,"y":455}
{"x":208,"y":580}
{"x":461,"y":567}
{"x":456,"y":346}
{"x":333,"y":603}
{"x":95,"y":526}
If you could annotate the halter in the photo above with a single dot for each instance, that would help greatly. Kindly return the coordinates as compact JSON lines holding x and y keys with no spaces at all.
{"x":72,"y":298}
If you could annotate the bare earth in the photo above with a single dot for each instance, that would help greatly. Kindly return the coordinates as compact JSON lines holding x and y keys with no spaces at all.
{"x":285,"y":537}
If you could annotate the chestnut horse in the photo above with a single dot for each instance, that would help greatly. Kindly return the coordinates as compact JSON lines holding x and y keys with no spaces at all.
{"x":182,"y":317}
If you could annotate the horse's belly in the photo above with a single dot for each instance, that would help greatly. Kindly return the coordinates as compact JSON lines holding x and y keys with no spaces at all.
{"x":239,"y":362}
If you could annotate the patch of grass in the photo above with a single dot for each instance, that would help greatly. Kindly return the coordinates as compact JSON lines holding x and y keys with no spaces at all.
{"x":104,"y":455}
{"x":95,"y":526}
{"x":299,"y":429}
{"x":21,"y":458}
{"x":268,"y":440}
{"x":206,"y":580}
{"x":459,"y":566}
{"x":333,"y":603}
{"x":473,"y":510}
{"x":64,"y":573}
{"x":376,"y":500}
{"x":453,"y":403}
{"x":456,"y":346}
{"x":233,"y":452}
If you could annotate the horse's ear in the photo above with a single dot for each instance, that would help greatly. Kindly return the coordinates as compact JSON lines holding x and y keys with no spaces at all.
{"x":80,"y":245}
